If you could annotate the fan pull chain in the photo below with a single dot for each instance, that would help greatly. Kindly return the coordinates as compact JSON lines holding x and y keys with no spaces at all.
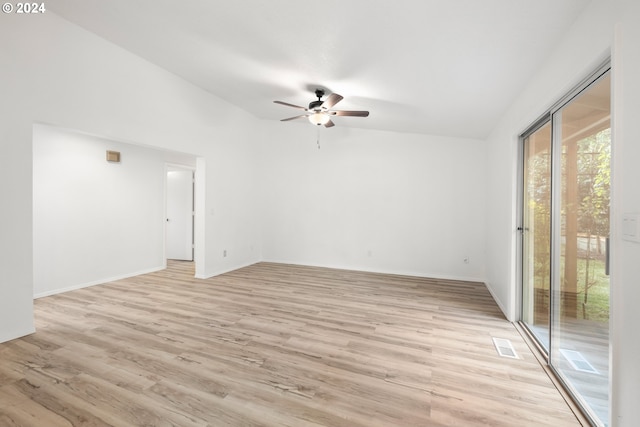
{"x":318,"y":139}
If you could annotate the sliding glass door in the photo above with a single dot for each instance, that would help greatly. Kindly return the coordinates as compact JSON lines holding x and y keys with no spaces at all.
{"x":580,"y":309}
{"x":565,"y":234}
{"x":536,"y":232}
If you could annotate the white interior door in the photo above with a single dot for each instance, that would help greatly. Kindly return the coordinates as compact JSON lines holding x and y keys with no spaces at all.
{"x":180,"y":215}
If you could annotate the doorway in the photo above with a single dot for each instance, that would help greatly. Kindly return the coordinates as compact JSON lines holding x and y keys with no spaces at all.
{"x":565,"y":193}
{"x":180,"y":212}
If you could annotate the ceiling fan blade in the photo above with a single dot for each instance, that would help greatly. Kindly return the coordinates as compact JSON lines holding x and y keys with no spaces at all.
{"x":349,"y":113}
{"x":293,"y":118}
{"x":290,"y":105}
{"x":332,"y":100}
{"x":329,"y":124}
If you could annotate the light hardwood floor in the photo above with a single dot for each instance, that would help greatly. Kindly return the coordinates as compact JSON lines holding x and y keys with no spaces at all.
{"x":273,"y":345}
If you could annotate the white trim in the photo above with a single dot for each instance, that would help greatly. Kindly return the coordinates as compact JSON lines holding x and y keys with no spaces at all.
{"x":220,"y":272}
{"x":12,"y":335}
{"x":392,"y":272}
{"x":171,"y":166}
{"x":97,"y":282}
{"x":499,"y":303}
{"x":363,"y":270}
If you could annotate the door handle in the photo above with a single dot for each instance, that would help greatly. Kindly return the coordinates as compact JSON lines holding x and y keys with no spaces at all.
{"x":607,"y":259}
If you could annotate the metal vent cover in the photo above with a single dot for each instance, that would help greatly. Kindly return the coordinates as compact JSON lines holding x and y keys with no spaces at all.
{"x":505,"y":348}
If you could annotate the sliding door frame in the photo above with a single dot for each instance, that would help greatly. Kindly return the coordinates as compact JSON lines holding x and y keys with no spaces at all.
{"x":546,"y":118}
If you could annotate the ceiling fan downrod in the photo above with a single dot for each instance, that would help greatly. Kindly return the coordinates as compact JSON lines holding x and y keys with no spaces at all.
{"x":315,"y":105}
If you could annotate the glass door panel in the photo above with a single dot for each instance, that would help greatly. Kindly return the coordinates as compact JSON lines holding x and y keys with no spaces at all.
{"x":536,"y":233}
{"x":580,"y":308}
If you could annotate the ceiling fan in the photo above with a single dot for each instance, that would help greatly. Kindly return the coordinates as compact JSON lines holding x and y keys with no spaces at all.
{"x":320,"y":112}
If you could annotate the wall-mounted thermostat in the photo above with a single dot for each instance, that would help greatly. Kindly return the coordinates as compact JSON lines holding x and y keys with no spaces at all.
{"x":631,"y":227}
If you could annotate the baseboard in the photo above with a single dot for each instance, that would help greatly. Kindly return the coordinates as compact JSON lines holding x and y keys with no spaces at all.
{"x":498,"y":302}
{"x":393,"y":272}
{"x":17,"y":334}
{"x":96,"y":282}
{"x":223,"y":271}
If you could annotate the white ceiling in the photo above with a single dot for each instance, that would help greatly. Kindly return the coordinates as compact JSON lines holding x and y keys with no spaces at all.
{"x":443,"y":67}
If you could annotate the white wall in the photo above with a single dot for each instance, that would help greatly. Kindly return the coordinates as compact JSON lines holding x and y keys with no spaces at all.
{"x":605,"y":28}
{"x":374,"y":201}
{"x":56,"y":73}
{"x":94,"y":221}
{"x":625,"y":291}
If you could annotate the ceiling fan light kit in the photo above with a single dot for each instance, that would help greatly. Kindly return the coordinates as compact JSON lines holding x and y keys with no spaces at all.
{"x":320,"y":112}
{"x":319,"y":118}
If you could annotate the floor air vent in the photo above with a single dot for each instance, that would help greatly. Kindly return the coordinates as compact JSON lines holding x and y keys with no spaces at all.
{"x":577,"y":361}
{"x":504,"y":348}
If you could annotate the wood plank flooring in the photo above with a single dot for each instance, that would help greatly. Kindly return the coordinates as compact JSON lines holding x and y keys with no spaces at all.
{"x":273,"y":345}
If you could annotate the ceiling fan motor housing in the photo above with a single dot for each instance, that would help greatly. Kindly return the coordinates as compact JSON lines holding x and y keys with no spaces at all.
{"x":315,"y":105}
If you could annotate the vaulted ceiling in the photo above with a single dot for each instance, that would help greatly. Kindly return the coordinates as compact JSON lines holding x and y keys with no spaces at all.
{"x":442,"y":67}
